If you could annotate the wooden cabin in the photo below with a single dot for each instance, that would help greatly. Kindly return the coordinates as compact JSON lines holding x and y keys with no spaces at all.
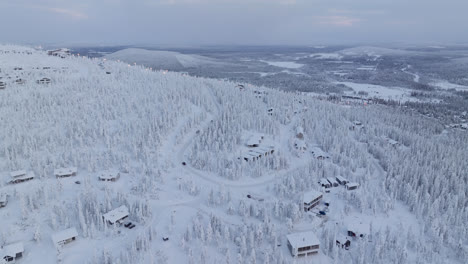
{"x":117,"y":215}
{"x":65,"y":172}
{"x":311,"y":199}
{"x":10,"y":253}
{"x":64,"y":237}
{"x":303,"y":244}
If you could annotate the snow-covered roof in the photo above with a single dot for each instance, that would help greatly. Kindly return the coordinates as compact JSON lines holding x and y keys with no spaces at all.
{"x":109,"y":174}
{"x":3,"y":198}
{"x":65,"y":171}
{"x":116,"y":214}
{"x":266,"y":149}
{"x":311,"y":195}
{"x":254,"y":140}
{"x":352,"y":184}
{"x":299,"y":130}
{"x":17,"y":173}
{"x":323,"y":181}
{"x":300,"y":144}
{"x":27,"y":175}
{"x":12,"y":249}
{"x":341,"y":178}
{"x":332,"y":180}
{"x":341,"y":238}
{"x":318,"y":152}
{"x":257,"y":151}
{"x":63,"y":235}
{"x":303,"y":239}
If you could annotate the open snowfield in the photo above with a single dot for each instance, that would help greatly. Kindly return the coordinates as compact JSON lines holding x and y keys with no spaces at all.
{"x":179,"y":144}
{"x":379,"y":91}
{"x":446,"y":85}
{"x":284,"y":64}
{"x":166,"y":60}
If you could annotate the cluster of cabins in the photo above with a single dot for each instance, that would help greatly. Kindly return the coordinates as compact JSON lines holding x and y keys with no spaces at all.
{"x":306,"y":243}
{"x":14,"y":251}
{"x":44,"y":80}
{"x":115,"y":216}
{"x":256,"y":150}
{"x":22,"y":175}
{"x":62,"y":53}
{"x":20,"y":81}
{"x":337,"y":181}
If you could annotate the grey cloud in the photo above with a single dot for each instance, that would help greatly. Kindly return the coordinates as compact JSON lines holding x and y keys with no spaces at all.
{"x":185,"y":22}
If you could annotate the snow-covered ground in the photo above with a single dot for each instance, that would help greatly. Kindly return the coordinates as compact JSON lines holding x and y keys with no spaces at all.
{"x":284,"y":64}
{"x":177,"y":142}
{"x":160,"y":59}
{"x":379,"y":91}
{"x":446,"y":85}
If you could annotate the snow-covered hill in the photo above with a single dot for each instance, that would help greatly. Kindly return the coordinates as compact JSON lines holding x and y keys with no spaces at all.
{"x":166,"y":60}
{"x":213,"y":172}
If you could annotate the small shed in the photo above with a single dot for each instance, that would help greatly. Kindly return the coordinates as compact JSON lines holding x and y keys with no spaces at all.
{"x":341,"y":180}
{"x":21,"y":176}
{"x":12,"y":252}
{"x":343,"y":242}
{"x":64,"y":237}
{"x":352,"y":186}
{"x":254,"y":141}
{"x":20,"y":81}
{"x":65,"y":172}
{"x":299,"y":132}
{"x":3,"y":85}
{"x":303,"y":244}
{"x":319,"y":153}
{"x":357,"y":229}
{"x":3,"y":200}
{"x":311,"y":199}
{"x":109,"y":175}
{"x":117,"y":215}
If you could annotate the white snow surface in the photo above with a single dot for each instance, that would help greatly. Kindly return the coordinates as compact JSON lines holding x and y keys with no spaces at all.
{"x":303,"y":239}
{"x":176,"y":141}
{"x":166,"y":60}
{"x":379,"y":91}
{"x":446,"y":85}
{"x":284,"y":64}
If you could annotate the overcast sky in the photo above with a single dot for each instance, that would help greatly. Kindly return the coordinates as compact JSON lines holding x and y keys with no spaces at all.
{"x":225,"y":22}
